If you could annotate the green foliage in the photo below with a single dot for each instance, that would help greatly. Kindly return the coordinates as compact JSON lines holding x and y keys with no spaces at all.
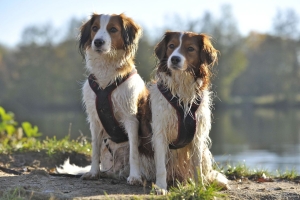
{"x":288,"y":174}
{"x":193,"y":190}
{"x":238,"y":171}
{"x":11,"y":138}
{"x":80,"y":145}
{"x":7,"y":123}
{"x":14,"y":194}
{"x":258,"y":173}
{"x":241,"y":171}
{"x":30,"y":131}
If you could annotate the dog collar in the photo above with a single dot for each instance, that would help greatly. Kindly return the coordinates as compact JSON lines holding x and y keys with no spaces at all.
{"x":186,"y":124}
{"x":104,"y":106}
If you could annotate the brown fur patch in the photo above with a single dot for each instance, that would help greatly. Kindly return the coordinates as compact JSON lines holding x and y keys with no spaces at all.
{"x":126,"y":68}
{"x":145,"y":117}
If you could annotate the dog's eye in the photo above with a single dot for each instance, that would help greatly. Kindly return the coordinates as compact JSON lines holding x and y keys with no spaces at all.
{"x":171,"y":46}
{"x":190,"y":49}
{"x":113,"y":30}
{"x":95,"y":28}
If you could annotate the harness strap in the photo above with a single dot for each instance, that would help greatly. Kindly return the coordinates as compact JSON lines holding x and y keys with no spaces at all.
{"x":186,"y":124}
{"x":104,"y":107}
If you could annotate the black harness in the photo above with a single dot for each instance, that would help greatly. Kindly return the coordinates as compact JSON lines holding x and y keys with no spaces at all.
{"x":186,"y":124}
{"x":104,"y":107}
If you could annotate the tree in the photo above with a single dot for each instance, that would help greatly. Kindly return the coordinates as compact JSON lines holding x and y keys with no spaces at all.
{"x":145,"y":60}
{"x":38,"y":34}
{"x":286,"y":24}
{"x":229,"y":42}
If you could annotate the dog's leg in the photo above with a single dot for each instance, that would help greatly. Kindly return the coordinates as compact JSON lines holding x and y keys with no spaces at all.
{"x":213,"y":175}
{"x":131,"y":127}
{"x":160,"y":151}
{"x":97,"y":133}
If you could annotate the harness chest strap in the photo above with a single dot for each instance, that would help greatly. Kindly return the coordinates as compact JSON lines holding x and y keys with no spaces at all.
{"x":186,"y":124}
{"x":104,"y":107}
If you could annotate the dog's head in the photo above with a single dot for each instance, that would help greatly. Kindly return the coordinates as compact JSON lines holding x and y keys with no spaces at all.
{"x":186,"y":51}
{"x":106,"y":34}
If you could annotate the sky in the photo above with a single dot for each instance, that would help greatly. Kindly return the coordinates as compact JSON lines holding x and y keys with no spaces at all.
{"x":15,"y":15}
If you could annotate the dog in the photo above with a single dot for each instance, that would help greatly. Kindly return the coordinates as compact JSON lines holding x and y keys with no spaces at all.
{"x":180,"y":101}
{"x":112,"y":94}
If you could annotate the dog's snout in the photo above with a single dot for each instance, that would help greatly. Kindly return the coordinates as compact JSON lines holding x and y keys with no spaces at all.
{"x":175,"y":60}
{"x":99,"y":42}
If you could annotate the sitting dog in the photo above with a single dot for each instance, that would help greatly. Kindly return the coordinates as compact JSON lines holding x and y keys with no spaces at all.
{"x":180,"y":104}
{"x":112,"y":94}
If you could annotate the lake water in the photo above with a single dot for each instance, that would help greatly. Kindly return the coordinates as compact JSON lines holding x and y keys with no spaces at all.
{"x":262,"y":138}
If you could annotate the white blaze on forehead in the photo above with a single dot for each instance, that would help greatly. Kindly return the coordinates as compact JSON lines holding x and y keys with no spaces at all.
{"x":180,"y":42}
{"x":176,"y":52}
{"x":102,"y":33}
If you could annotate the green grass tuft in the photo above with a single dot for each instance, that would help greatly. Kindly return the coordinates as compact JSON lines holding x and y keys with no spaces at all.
{"x":12,"y":138}
{"x":14,"y":194}
{"x":241,"y":171}
{"x":194,"y":190}
{"x":288,"y":174}
{"x":238,"y":171}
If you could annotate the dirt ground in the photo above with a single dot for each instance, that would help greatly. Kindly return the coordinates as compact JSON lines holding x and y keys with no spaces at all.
{"x":36,"y":183}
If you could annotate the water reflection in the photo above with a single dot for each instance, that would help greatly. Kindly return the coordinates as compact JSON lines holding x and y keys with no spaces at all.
{"x":58,"y":124}
{"x":264,"y":138}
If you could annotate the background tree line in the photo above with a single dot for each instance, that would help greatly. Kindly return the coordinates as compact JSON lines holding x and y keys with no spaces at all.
{"x":44,"y":73}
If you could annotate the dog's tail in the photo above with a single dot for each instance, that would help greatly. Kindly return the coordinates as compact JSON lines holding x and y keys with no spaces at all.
{"x":73,"y":169}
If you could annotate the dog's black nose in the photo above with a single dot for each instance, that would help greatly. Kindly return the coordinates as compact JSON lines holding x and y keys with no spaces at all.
{"x":99,"y":42}
{"x":175,"y":60}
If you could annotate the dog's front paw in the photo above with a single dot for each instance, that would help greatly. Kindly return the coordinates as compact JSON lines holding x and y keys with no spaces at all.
{"x":134,"y":180}
{"x":91,"y":176}
{"x":160,"y":191}
{"x":220,"y":179}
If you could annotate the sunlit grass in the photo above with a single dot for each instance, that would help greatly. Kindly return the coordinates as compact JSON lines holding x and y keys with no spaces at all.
{"x":195,"y":190}
{"x":238,"y":171}
{"x":241,"y":170}
{"x":50,"y":145}
{"x":289,"y":174}
{"x":26,"y":138}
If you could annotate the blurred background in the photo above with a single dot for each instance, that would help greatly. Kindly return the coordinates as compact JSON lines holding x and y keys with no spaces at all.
{"x":256,"y":115}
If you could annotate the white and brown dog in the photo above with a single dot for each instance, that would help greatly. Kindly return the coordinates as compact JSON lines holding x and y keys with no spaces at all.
{"x":112,"y":94}
{"x":180,"y":104}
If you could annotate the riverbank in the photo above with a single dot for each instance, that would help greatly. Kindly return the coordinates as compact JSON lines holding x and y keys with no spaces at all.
{"x":35,"y":182}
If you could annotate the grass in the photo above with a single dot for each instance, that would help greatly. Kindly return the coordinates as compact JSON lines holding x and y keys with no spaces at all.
{"x":14,"y":194}
{"x":26,"y":138}
{"x":288,"y":174}
{"x":241,"y":171}
{"x":51,"y":145}
{"x":194,"y":190}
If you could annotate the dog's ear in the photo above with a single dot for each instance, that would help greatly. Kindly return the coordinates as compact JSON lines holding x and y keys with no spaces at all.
{"x":161,"y":48}
{"x":208,"y":54}
{"x":85,"y":35}
{"x":131,"y":33}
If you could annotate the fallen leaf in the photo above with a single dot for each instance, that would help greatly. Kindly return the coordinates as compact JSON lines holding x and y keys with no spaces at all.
{"x":261,"y":180}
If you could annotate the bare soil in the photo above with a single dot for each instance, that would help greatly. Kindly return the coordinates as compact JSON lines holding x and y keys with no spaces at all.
{"x":34,"y":182}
